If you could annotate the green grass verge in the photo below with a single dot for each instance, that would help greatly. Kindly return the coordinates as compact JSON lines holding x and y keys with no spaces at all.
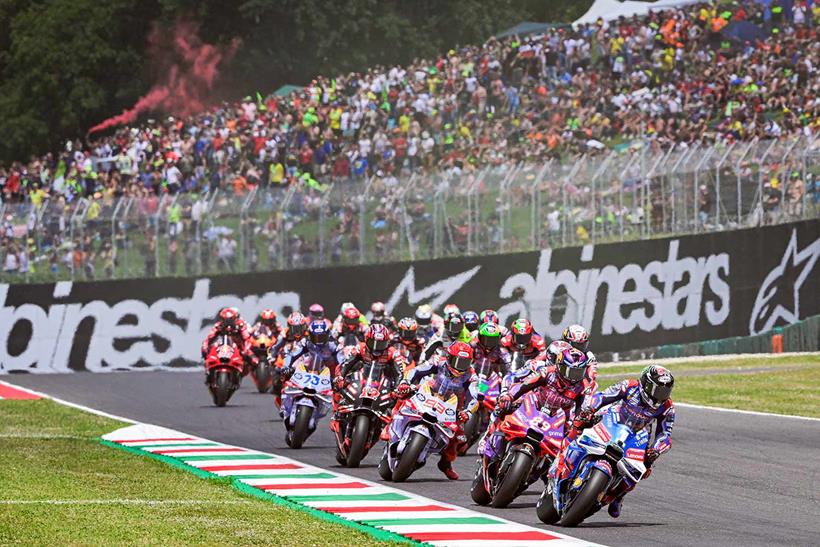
{"x":52,"y":452}
{"x":791,"y":387}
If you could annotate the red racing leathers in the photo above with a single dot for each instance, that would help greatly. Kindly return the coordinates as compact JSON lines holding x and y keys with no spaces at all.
{"x":536,"y":349}
{"x":239,"y":335}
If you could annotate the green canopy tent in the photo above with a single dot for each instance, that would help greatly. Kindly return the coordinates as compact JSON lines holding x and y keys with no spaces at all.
{"x":286,"y":90}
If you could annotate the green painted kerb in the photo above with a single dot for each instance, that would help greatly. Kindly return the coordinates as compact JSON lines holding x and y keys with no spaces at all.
{"x":383,"y":535}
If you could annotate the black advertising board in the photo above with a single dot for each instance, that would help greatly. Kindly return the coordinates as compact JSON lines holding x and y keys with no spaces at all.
{"x":630,"y":295}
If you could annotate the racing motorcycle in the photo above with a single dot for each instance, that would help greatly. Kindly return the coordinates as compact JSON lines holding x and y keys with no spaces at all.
{"x":423,"y":426}
{"x":516,"y":452}
{"x":306,"y":398}
{"x":224,"y":364}
{"x":262,"y":372}
{"x":362,"y":412}
{"x":489,"y":386}
{"x":586,"y":476}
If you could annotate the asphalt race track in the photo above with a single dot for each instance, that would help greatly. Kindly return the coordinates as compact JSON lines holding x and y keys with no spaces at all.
{"x":730,"y":479}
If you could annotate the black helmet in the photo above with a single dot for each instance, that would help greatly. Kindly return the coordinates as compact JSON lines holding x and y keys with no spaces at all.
{"x":656,"y":385}
{"x":454,"y":325}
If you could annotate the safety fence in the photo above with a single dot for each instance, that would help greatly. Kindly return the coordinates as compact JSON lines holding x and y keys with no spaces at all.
{"x":638,"y":192}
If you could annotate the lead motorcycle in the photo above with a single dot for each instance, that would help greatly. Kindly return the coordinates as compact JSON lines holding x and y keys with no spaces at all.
{"x":424,"y":425}
{"x":586,"y":476}
{"x":306,"y":397}
{"x":362,"y":412}
{"x":516,"y":452}
{"x":224,"y":364}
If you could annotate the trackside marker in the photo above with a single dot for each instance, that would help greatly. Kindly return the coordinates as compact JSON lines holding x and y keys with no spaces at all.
{"x":378,"y":507}
{"x":8,"y":391}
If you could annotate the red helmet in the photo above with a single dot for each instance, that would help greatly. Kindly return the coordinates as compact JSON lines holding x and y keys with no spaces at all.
{"x":489,"y":316}
{"x":408,"y":329}
{"x":229,"y":319}
{"x":351,"y":316}
{"x":459,"y":358}
{"x":377,"y":338}
{"x":522,"y":332}
{"x":576,"y":336}
{"x":297,"y":325}
{"x":268,"y":318}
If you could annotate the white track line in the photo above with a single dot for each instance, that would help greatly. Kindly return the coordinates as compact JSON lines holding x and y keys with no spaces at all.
{"x":705,"y":358}
{"x":751,"y":412}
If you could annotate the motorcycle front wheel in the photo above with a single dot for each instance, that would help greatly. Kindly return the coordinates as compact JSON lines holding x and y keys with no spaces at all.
{"x":477,"y":490}
{"x":583,"y":503}
{"x":409,"y":457}
{"x":545,"y":509}
{"x":301,"y":426}
{"x":222,"y":387}
{"x":515,"y":474}
{"x":358,"y":440}
{"x":263,"y":377}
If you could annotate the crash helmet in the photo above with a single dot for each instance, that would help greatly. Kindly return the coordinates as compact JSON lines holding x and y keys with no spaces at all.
{"x":424,"y":315}
{"x":471,"y":320}
{"x":316,"y":311}
{"x":229,"y":319}
{"x":656,"y":385}
{"x":522,"y":333}
{"x":297,"y":324}
{"x":377,"y":338}
{"x":488,"y":316}
{"x":577,"y":336}
{"x":408,"y":329}
{"x":489,"y":335}
{"x":450,"y":309}
{"x":267,"y":317}
{"x":572,"y":365}
{"x":318,"y":332}
{"x":346,"y":306}
{"x":454,"y":325}
{"x":555,"y":349}
{"x":377,"y":310}
{"x":351,"y":316}
{"x":459,"y":358}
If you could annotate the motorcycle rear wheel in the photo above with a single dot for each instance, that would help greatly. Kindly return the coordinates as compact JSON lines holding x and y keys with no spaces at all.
{"x":584,"y":502}
{"x":301,"y":426}
{"x":409,"y":457}
{"x":515,"y":474}
{"x":222,"y":388}
{"x":358,"y":440}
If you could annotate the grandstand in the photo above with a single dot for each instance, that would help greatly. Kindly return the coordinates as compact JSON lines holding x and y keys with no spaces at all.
{"x":678,"y":121}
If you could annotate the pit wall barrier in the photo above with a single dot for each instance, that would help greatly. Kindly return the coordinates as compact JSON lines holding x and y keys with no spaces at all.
{"x":702,"y":294}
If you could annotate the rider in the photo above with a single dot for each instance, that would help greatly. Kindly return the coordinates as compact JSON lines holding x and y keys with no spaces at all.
{"x":231,"y":323}
{"x":424,"y":318}
{"x":488,"y":345}
{"x":523,"y":338}
{"x":450,"y":309}
{"x":378,"y":314}
{"x":295,"y":331}
{"x":471,"y":321}
{"x":267,"y":324}
{"x":640,"y":403}
{"x":456,"y":376}
{"x":316,"y":312}
{"x":318,"y":343}
{"x":408,"y":339}
{"x":376,"y":347}
{"x":491,"y":316}
{"x":349,"y":324}
{"x":578,"y":337}
{"x":454,"y":331}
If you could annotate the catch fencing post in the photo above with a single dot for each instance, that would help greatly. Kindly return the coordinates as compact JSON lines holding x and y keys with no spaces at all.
{"x":701,"y":163}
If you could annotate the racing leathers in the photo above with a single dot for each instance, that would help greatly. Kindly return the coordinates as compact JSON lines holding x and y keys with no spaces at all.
{"x":392,"y":358}
{"x":498,"y":357}
{"x":410,"y":348}
{"x":440,"y":342}
{"x":536,"y":349}
{"x":327,"y":354}
{"x":239,"y":335}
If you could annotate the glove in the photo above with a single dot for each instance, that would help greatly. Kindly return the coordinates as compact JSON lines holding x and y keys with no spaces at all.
{"x":583,"y":419}
{"x":650,"y":456}
{"x":463,"y":416}
{"x":339,"y":383}
{"x":503,"y":405}
{"x":403,"y":390}
{"x":286,"y":373}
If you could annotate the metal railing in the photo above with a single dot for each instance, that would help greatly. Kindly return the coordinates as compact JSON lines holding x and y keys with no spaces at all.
{"x":612,"y":196}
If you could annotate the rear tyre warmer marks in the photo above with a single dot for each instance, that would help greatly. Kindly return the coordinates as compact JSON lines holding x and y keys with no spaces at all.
{"x":377,"y":509}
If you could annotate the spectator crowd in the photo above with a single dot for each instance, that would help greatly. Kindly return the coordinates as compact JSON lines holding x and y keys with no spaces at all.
{"x":674,"y":77}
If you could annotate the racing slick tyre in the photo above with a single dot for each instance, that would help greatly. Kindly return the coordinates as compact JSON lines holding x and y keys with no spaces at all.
{"x":516,"y":473}
{"x":384,"y":469}
{"x":584,"y":502}
{"x":478,"y":491}
{"x":222,"y":388}
{"x":545,"y":509}
{"x":470,"y":432}
{"x":409,"y":457}
{"x":263,"y":377}
{"x":301,"y":426}
{"x":358,"y":440}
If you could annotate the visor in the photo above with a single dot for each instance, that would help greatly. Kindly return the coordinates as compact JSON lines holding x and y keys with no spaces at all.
{"x":461,"y":364}
{"x":378,"y":345}
{"x":657,"y":393}
{"x":351,"y":320}
{"x":423,"y":321}
{"x":298,"y":329}
{"x":488,"y":342}
{"x":522,"y":340}
{"x":573,"y":374}
{"x":408,"y":335}
{"x":319,"y":338}
{"x":580,"y":346}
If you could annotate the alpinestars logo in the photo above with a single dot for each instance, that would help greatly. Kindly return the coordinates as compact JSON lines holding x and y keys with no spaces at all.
{"x":436,"y":294}
{"x":778,"y":301}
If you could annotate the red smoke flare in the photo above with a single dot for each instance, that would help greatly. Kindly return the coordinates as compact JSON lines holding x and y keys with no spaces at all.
{"x":192,"y":67}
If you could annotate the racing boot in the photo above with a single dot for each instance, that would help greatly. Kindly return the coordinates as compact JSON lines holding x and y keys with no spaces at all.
{"x":447,"y":468}
{"x":614,"y":508}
